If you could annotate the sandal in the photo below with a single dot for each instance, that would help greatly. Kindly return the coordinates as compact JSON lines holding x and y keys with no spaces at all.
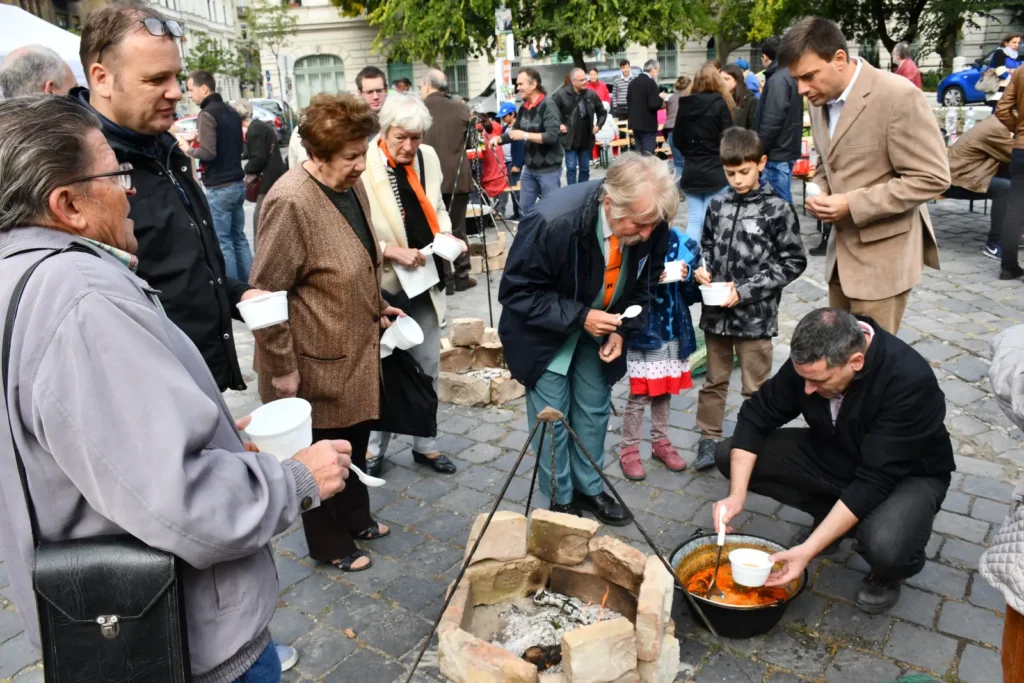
{"x":345,"y":563}
{"x":372,"y":533}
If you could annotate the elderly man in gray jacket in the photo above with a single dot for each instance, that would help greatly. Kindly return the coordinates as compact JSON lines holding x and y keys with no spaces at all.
{"x":120,"y":425}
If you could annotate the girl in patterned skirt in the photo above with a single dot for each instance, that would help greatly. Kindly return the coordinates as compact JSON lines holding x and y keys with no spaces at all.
{"x":658,"y":361}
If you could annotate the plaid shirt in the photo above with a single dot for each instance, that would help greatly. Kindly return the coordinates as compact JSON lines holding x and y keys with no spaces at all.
{"x":130,"y":261}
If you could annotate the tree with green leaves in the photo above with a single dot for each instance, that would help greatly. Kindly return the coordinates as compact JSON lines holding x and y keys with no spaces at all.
{"x":270,"y":25}
{"x":207,"y":55}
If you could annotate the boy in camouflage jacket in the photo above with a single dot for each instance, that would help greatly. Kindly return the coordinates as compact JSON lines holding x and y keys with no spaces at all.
{"x":751,"y":240}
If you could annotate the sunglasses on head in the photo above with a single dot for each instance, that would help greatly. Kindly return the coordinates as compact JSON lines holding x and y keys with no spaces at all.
{"x":155,"y":27}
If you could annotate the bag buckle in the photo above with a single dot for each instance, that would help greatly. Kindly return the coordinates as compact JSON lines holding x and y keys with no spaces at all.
{"x":110,"y":625}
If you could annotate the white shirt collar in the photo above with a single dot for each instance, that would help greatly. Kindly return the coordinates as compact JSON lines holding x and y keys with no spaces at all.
{"x":846,"y":93}
{"x":606,"y":225}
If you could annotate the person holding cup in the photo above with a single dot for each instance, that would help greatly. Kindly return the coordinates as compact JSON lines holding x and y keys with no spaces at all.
{"x":317,"y":243}
{"x":403,"y":184}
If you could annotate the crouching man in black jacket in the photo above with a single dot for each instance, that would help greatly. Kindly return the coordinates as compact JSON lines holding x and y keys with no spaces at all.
{"x":875,"y":458}
{"x":582,"y":256}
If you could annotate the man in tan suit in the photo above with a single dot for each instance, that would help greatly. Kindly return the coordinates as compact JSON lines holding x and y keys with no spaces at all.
{"x":883,"y":158}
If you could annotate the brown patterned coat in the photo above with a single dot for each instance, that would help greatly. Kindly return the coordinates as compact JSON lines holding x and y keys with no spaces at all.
{"x":308,"y":249}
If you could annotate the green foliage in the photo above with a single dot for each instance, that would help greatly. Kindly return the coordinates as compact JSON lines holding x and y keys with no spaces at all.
{"x":207,"y":55}
{"x":269,"y":24}
{"x":930,"y":79}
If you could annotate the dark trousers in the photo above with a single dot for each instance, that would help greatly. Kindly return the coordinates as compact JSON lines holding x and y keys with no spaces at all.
{"x":329,"y":528}
{"x":645,"y":143}
{"x":457,"y":210}
{"x":999,"y":193}
{"x":1010,"y":237}
{"x":892,"y":538}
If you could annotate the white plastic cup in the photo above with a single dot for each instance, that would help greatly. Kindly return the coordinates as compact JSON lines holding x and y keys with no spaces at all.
{"x":750,"y":567}
{"x":447,"y":247}
{"x":812,"y":190}
{"x":715,"y":294}
{"x":673,"y":271}
{"x":265,"y":310}
{"x":282,"y":427}
{"x":404,"y":334}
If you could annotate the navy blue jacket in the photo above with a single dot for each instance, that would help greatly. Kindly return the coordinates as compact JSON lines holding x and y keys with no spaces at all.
{"x":555,"y":270}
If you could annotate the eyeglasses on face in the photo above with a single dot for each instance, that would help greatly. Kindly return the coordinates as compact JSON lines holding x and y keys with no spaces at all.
{"x":155,"y":27}
{"x":123,"y":175}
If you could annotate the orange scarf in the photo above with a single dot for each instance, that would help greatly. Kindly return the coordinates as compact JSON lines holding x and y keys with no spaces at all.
{"x":611,"y":271}
{"x":414,"y":182}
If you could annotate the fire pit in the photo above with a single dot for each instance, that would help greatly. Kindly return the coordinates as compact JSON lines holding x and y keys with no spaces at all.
{"x":608,"y":606}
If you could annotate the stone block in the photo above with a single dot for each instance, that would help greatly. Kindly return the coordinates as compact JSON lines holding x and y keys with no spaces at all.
{"x":491,"y":336}
{"x":600,"y":653}
{"x":463,"y":390}
{"x":467,"y":331}
{"x":505,"y":389}
{"x":560,"y":538}
{"x":583,"y":582}
{"x":628,"y":677}
{"x":488,"y":356}
{"x":653,"y":609}
{"x":505,"y":538}
{"x":497,"y":262}
{"x":665,"y":668}
{"x":476,"y":264}
{"x":619,"y":563}
{"x":446,"y":343}
{"x":456,"y":359}
{"x":457,"y":615}
{"x":494,"y":247}
{"x":464,"y":658}
{"x":553,"y":677}
{"x":495,"y":582}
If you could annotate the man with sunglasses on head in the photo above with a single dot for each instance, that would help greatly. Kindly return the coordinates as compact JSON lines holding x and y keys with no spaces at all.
{"x":131,"y":59}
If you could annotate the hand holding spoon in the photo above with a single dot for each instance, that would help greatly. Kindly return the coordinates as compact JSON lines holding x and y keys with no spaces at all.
{"x":631,"y":312}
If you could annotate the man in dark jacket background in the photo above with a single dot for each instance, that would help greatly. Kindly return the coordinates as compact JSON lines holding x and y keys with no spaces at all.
{"x":644,"y":101}
{"x":874,"y":460}
{"x":220,"y":149}
{"x":578,"y":106}
{"x":578,"y":261}
{"x":178,"y":252}
{"x":779,"y":121}
{"x":447,"y":135}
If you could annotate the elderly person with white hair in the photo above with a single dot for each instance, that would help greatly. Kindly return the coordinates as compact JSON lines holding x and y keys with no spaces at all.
{"x":35,"y":69}
{"x":578,"y":261}
{"x":403,"y":184}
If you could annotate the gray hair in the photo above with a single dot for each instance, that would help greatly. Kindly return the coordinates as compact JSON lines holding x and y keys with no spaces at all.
{"x":243,"y":107}
{"x":42,"y":146}
{"x":402,"y":110}
{"x":27,"y":70}
{"x":829,"y":333}
{"x":435,"y":78}
{"x":634,"y":176}
{"x":572,"y":74}
{"x":902,"y":50}
{"x":650,"y":65}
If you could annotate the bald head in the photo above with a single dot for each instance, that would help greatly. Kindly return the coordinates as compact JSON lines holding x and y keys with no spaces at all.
{"x":35,"y":69}
{"x":433,"y":81}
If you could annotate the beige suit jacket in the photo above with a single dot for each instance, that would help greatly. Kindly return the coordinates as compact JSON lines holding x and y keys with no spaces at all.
{"x":887,"y":155}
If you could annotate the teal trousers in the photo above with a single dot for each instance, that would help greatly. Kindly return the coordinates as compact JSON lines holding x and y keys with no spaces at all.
{"x":584,"y":397}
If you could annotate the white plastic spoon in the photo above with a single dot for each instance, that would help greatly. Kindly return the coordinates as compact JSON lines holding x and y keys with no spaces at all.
{"x":631,"y":312}
{"x":372,"y":482}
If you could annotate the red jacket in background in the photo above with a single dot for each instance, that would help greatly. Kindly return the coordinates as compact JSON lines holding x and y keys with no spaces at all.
{"x":493,"y":164}
{"x":601,"y":89}
{"x":909,"y":70}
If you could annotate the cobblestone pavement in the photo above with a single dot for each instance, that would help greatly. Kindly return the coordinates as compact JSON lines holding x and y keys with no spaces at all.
{"x":947,"y":623}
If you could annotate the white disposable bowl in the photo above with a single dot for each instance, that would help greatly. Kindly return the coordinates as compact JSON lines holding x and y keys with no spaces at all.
{"x":265,"y":310}
{"x":750,"y":567}
{"x":812,"y":190}
{"x":282,"y":427}
{"x":714,"y":294}
{"x":447,"y":247}
{"x":404,"y":333}
{"x":673,"y":271}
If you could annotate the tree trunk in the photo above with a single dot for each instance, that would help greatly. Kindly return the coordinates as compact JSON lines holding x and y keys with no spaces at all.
{"x":724,"y":46}
{"x":577,"y":59}
{"x":947,"y":45}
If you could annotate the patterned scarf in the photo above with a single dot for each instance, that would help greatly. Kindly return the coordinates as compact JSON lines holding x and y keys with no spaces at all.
{"x":130,"y":261}
{"x":417,"y":188}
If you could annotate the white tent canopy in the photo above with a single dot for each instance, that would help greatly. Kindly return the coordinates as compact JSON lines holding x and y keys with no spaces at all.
{"x":18,"y":28}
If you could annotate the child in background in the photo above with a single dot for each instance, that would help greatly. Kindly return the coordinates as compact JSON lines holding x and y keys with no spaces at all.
{"x":751,"y":240}
{"x":657,"y":361}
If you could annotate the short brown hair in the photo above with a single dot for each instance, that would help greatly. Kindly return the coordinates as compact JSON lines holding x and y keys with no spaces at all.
{"x":740,"y":145}
{"x":682,"y":83}
{"x":200,"y":78}
{"x":1010,"y":36}
{"x":105,"y":28}
{"x":812,"y":34}
{"x":332,"y":121}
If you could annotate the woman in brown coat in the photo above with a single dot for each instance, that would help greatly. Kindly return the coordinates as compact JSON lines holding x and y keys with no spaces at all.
{"x":317,"y":243}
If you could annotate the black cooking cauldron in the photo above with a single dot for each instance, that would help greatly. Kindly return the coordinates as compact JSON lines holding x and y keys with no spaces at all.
{"x":729,"y":621}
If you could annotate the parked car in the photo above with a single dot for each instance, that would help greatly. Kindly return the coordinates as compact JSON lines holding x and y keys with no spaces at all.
{"x":285,"y":118}
{"x":958,"y":89}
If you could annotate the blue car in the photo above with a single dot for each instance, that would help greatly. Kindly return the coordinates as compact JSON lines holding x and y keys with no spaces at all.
{"x":956,"y":90}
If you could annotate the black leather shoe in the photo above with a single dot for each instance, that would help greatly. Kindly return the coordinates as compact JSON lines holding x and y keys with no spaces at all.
{"x":463,"y":285}
{"x":877,"y":594}
{"x":374,"y":466}
{"x":568,"y":509}
{"x":1011,"y":273}
{"x":440,"y":464}
{"x":605,"y":508}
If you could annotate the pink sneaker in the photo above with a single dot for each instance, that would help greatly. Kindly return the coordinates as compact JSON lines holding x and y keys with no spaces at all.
{"x":629,"y":459}
{"x":669,"y":456}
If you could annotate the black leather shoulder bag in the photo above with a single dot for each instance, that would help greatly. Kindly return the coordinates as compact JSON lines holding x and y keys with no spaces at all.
{"x":110,"y":608}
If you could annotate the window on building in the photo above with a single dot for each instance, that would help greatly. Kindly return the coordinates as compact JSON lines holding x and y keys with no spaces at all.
{"x":318,"y":74}
{"x":668,"y":57}
{"x":397,"y":70}
{"x":457,"y":73}
{"x":614,"y":58}
{"x":712,"y":53}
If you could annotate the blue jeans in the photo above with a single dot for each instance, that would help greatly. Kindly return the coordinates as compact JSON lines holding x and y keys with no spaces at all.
{"x":534,"y":186}
{"x":226,"y":206}
{"x":577,"y":160}
{"x":696,"y":207}
{"x":677,"y":156}
{"x":645,"y":142}
{"x":266,"y":669}
{"x":780,"y":175}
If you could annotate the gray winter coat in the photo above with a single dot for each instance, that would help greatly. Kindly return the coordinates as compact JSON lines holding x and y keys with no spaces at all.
{"x":1002,"y":564}
{"x":123,"y":430}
